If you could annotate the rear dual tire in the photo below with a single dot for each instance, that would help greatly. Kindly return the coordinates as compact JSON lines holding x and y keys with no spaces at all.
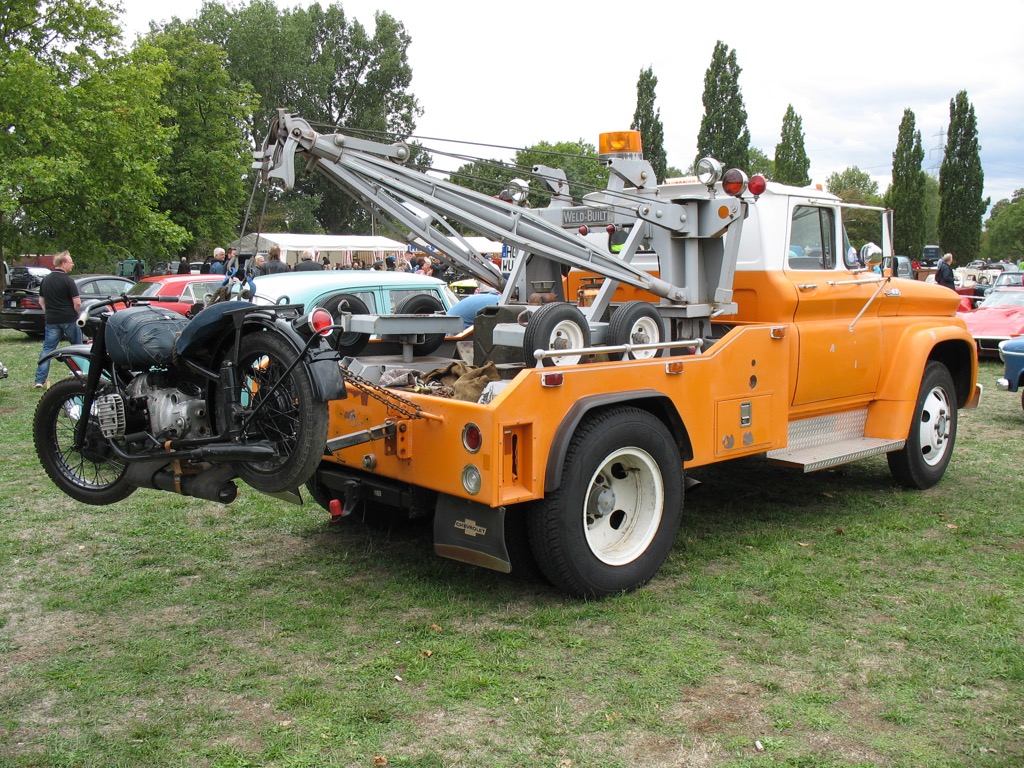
{"x":613,"y":520}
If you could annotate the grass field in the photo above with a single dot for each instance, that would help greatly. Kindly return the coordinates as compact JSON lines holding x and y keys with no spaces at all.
{"x":819,"y":620}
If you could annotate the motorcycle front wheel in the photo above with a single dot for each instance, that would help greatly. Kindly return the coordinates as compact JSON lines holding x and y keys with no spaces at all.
{"x":290,"y":416}
{"x":90,"y":473}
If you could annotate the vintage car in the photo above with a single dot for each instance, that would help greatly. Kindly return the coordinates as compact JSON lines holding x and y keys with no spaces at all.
{"x":178,"y":292}
{"x":362,"y":292}
{"x":22,"y":312}
{"x":1011,"y":352}
{"x":998,"y":317}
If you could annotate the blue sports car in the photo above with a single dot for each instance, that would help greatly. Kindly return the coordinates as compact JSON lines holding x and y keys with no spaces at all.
{"x":1011,"y":352}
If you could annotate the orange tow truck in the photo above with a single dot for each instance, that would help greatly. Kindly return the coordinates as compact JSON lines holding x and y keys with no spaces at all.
{"x":724,"y":317}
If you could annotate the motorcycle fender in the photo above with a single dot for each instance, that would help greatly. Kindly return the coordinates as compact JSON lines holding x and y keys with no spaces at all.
{"x":325,"y":373}
{"x":322,"y":364}
{"x":71,"y":350}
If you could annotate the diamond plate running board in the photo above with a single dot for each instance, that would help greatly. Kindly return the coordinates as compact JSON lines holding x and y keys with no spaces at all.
{"x":828,"y":441}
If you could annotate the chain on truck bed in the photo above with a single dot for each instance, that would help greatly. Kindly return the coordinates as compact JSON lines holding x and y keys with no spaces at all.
{"x":388,"y":397}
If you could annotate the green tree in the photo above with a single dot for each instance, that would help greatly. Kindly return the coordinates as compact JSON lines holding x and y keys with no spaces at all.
{"x":1004,"y":235}
{"x":761,"y":163}
{"x":931,"y":209}
{"x":853,"y":185}
{"x":647,"y":120}
{"x":791,"y":162}
{"x":488,"y":177}
{"x":906,"y":194}
{"x":577,"y":158}
{"x":82,"y":136}
{"x":210,"y":156}
{"x":329,"y":69}
{"x":723,"y":128}
{"x":286,"y":211}
{"x":961,"y":183}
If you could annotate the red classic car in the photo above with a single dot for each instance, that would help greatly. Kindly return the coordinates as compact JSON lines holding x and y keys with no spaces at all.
{"x":999,"y":317}
{"x":185,"y":290}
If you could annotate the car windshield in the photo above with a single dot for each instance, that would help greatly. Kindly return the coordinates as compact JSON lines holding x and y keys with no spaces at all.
{"x":1003,"y":299}
{"x":144,"y":289}
{"x":1010,"y":278}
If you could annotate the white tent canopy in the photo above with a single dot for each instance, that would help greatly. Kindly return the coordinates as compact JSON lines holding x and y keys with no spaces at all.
{"x":340,"y":249}
{"x":483,"y":246}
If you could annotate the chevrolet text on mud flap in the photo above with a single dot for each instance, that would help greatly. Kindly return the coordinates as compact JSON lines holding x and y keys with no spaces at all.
{"x":642,"y":331}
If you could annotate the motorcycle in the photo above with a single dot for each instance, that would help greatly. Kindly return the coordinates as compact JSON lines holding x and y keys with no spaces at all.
{"x":183,"y":405}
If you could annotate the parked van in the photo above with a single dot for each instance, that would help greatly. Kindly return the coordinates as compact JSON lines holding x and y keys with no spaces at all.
{"x":931,"y":256}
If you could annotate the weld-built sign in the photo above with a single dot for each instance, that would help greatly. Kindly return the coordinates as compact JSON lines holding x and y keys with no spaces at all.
{"x":574,"y":217}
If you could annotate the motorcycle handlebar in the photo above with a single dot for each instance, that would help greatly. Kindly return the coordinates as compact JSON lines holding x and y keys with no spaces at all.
{"x":88,"y":309}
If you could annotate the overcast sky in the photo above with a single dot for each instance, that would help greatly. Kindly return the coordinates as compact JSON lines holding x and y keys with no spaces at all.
{"x":517,"y":73}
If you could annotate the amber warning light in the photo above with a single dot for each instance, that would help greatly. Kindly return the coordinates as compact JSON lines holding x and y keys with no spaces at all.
{"x":620,"y":142}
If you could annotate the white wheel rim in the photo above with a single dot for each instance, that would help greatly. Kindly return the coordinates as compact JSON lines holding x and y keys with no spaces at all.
{"x":645,"y":330}
{"x":566,"y":335}
{"x":623,"y":506}
{"x":935,"y":427}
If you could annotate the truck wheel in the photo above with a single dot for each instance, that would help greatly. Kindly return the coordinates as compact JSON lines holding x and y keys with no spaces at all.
{"x":613,"y":520}
{"x":422,"y":304}
{"x":923,"y":460}
{"x":556,"y":326}
{"x":637,"y":322}
{"x":351,"y":343}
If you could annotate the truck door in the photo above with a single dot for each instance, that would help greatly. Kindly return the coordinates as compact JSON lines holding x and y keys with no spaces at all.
{"x":836,"y":361}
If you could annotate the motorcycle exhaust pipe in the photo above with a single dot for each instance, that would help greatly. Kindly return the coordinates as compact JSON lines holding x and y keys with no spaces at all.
{"x":214,"y":484}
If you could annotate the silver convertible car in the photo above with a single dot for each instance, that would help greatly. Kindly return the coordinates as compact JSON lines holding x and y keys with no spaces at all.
{"x":361,"y":292}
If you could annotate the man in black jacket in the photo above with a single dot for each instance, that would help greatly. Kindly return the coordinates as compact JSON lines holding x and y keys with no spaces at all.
{"x":308,"y":263}
{"x":944,"y":272}
{"x":58,"y":296}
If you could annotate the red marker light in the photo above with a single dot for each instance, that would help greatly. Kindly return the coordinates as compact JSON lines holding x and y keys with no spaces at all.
{"x":610,"y":229}
{"x":552,"y":379}
{"x":757,"y":184}
{"x":734,"y":182}
{"x":319,"y":319}
{"x":583,"y":230}
{"x":472,"y":440}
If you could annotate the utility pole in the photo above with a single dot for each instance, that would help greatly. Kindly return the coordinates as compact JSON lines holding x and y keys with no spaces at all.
{"x":938,"y":151}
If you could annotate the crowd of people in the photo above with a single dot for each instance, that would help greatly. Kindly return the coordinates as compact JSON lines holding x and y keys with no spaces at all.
{"x":225,"y":261}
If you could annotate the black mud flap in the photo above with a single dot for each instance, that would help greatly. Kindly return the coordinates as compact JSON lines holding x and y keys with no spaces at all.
{"x":471,"y":533}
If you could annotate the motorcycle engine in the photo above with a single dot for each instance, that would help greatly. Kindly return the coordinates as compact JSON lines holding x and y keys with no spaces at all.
{"x":177,"y":411}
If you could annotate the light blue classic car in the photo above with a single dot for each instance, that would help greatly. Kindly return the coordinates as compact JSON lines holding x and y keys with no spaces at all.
{"x":1011,"y":352}
{"x":362,"y":292}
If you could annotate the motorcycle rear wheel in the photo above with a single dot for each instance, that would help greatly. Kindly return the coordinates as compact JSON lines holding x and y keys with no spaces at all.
{"x":91,"y":475}
{"x":291,"y":417}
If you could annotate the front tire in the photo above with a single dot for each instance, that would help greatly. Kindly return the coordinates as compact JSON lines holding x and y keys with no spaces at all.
{"x":614,"y":518}
{"x":923,"y":460}
{"x":291,"y":416}
{"x":91,"y":475}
